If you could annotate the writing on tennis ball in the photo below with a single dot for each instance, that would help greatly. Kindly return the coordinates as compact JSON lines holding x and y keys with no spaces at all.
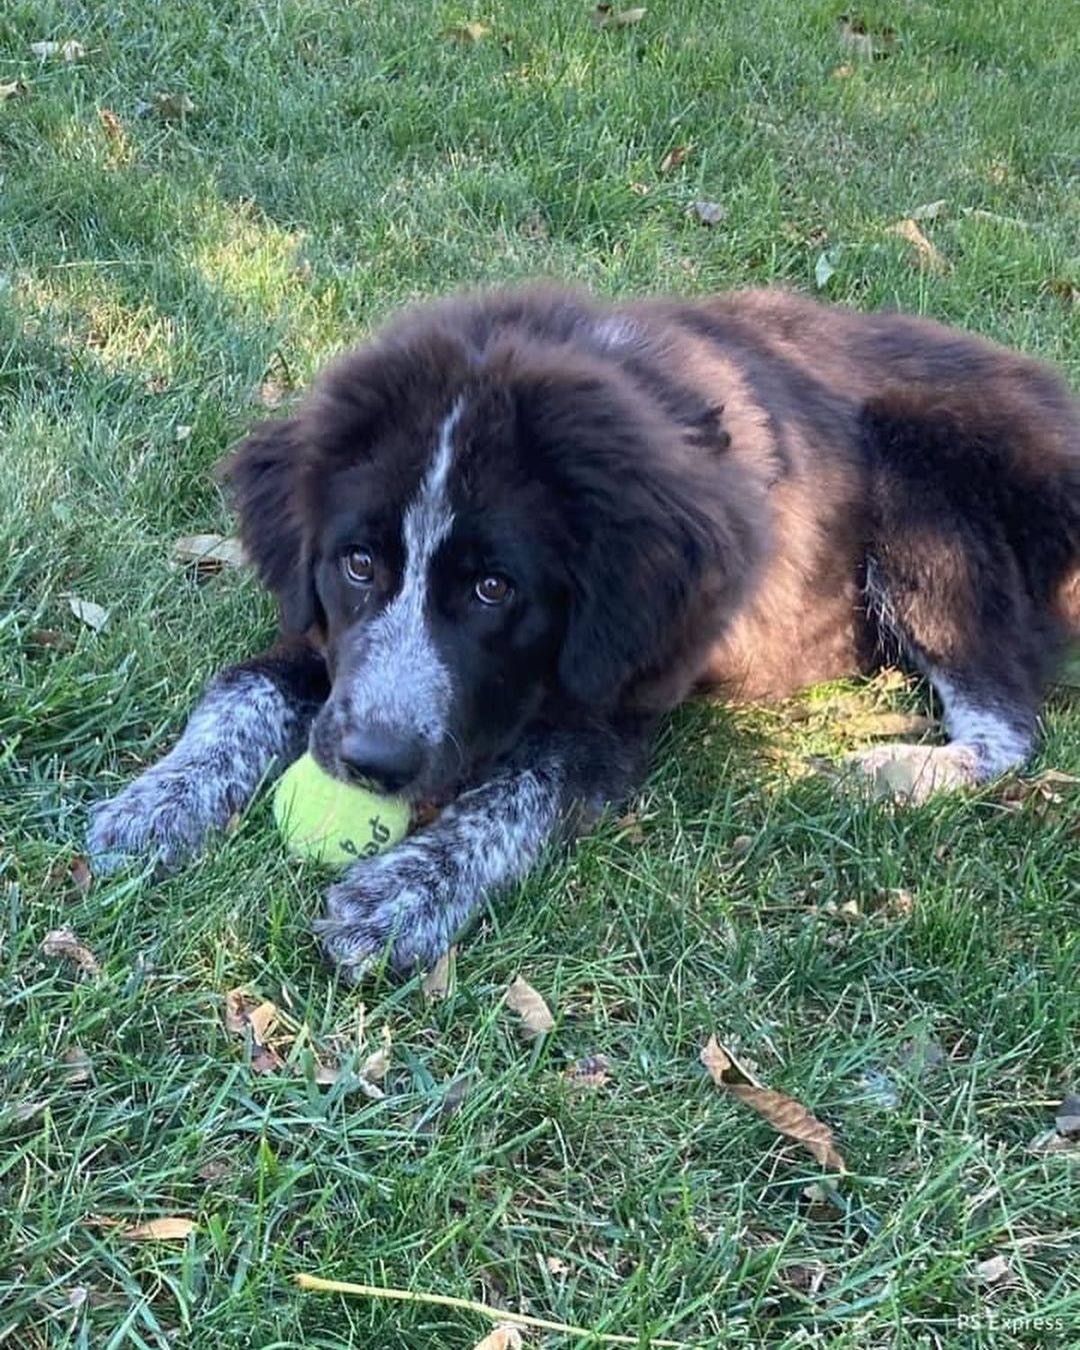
{"x":328,"y":821}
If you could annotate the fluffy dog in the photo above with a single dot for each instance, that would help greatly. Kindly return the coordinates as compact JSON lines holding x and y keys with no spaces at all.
{"x":517,"y":528}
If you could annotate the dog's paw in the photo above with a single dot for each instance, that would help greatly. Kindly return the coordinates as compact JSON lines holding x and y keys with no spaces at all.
{"x":162,"y":817}
{"x":913,"y":773}
{"x":396,"y":908}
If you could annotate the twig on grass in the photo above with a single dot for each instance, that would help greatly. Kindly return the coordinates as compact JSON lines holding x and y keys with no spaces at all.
{"x":319,"y":1285}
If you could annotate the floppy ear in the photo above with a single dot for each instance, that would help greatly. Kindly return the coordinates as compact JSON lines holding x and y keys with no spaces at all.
{"x":264,"y":473}
{"x":662,"y":529}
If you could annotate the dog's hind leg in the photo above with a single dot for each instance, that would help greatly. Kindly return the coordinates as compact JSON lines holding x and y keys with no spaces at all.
{"x":253,"y":718}
{"x":955,"y":587}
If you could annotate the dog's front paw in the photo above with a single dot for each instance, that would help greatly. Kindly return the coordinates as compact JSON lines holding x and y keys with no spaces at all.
{"x":164,"y":817}
{"x":399,"y":907}
{"x":913,"y":773}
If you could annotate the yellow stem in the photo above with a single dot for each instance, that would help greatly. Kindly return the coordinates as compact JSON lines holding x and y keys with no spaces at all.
{"x":317,"y":1283}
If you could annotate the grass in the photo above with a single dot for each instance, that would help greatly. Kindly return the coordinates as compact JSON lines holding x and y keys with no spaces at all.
{"x":338,"y":160}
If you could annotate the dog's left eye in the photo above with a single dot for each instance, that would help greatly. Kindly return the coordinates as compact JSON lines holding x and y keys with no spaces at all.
{"x":493,"y":590}
{"x":359,"y":566}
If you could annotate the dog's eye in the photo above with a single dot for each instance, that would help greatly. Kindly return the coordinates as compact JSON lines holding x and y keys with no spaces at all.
{"x":358,"y":566}
{"x":493,"y":590}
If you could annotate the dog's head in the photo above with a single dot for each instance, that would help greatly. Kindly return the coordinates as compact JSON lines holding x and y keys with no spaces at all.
{"x":482,"y":533}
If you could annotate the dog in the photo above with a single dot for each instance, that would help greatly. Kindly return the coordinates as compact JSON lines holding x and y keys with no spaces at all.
{"x":517,"y":528}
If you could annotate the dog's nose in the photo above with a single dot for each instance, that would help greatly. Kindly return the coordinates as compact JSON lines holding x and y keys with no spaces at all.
{"x":382,"y":758}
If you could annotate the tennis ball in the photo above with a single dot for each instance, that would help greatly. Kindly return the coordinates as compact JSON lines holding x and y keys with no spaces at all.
{"x":333,"y":822}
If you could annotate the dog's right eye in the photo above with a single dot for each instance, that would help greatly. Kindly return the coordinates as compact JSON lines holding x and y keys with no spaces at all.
{"x":358,"y":566}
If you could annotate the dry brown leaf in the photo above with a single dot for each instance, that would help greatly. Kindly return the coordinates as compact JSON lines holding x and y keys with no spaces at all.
{"x":173,"y":107}
{"x":70,"y":51}
{"x":555,"y":1265}
{"x":436,"y":983}
{"x":589,"y":1072}
{"x":237,"y":1007}
{"x":992,"y":1271}
{"x":709,"y":213}
{"x":741,"y":844}
{"x":472,"y":31}
{"x":215,"y":1169}
{"x":929,"y":257}
{"x":13,"y":89}
{"x":262,"y":1020}
{"x":326,"y":1075}
{"x":63,"y":942}
{"x":88,"y":612}
{"x":74,"y":872}
{"x":209,"y":552}
{"x":375,"y":1066}
{"x":76,"y":1064}
{"x":629,"y":828}
{"x":160,"y":1230}
{"x":607,"y":16}
{"x":112,"y":127}
{"x":504,"y":1337}
{"x":1064,"y":289}
{"x":265,"y":1059}
{"x":535,"y":1014}
{"x":52,"y":637}
{"x":783,"y":1113}
{"x":674,"y":157}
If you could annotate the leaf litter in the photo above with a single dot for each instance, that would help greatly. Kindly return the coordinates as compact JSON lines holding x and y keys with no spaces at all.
{"x":536,"y":1018}
{"x":785,"y":1114}
{"x":208,"y":552}
{"x":63,"y":943}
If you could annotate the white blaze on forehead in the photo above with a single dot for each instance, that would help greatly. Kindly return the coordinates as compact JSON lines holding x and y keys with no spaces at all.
{"x":401,"y":682}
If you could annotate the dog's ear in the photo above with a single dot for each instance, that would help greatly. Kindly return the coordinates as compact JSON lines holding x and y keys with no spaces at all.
{"x":264,"y":473}
{"x":659,"y":527}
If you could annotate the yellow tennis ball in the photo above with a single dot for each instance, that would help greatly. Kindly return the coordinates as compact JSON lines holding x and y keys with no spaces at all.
{"x":333,"y":822}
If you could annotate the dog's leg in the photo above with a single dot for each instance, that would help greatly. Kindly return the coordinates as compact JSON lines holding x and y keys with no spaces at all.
{"x":253,"y":718}
{"x":991,"y":730}
{"x":408,"y":903}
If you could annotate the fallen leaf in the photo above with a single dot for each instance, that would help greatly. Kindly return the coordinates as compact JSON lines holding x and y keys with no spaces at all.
{"x":88,"y":612}
{"x":52,"y":637}
{"x":63,"y":942}
{"x":674,"y":157}
{"x":709,"y":213}
{"x":13,"y":89}
{"x":262,"y":1020}
{"x":639,"y":189}
{"x":929,"y":257}
{"x":992,"y":1271}
{"x":555,"y":1265}
{"x":589,"y":1072}
{"x":265,"y":1059}
{"x":930,"y":211}
{"x":70,"y":51}
{"x":112,"y":127}
{"x":326,"y":1075}
{"x":807,"y":1278}
{"x":1068,"y":291}
{"x":215,"y":1169}
{"x":472,"y":31}
{"x":898,"y":903}
{"x":209,"y":552}
{"x":76,"y":1064}
{"x":629,"y":828}
{"x":436,"y":983}
{"x":272,"y":393}
{"x":1043,"y":791}
{"x":741,"y":844}
{"x":160,"y":1230}
{"x":534,"y":226}
{"x":607,"y":16}
{"x":173,"y":107}
{"x":535,"y":1014}
{"x":1067,"y":1119}
{"x":825,"y":267}
{"x":77,"y":1296}
{"x":72,"y":871}
{"x":783,"y":1113}
{"x":842,"y":72}
{"x":375,"y":1066}
{"x":502,"y":1338}
{"x":864,"y":44}
{"x":237,"y":1007}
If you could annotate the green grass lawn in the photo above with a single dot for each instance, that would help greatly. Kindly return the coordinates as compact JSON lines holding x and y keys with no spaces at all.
{"x":911,"y":976}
